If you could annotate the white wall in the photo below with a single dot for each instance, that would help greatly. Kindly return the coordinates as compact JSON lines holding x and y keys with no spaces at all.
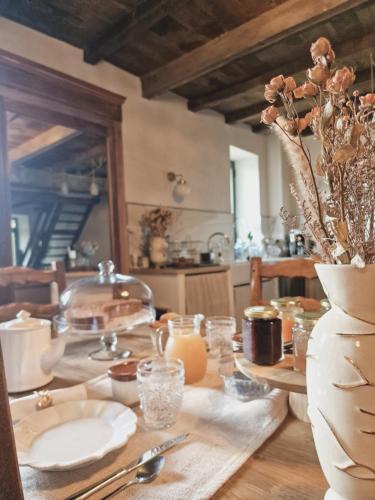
{"x":97,"y":229}
{"x":158,"y":135}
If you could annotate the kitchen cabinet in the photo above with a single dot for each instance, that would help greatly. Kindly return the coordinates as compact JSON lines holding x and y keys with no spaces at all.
{"x":207,"y":289}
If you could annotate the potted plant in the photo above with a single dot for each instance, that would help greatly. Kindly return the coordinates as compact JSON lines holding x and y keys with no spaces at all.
{"x":156,"y":223}
{"x":336,"y":195}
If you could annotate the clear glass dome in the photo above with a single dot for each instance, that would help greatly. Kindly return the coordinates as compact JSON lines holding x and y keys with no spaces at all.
{"x":106,"y":304}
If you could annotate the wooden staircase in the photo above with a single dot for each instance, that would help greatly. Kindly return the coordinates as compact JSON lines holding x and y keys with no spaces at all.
{"x":56,"y":223}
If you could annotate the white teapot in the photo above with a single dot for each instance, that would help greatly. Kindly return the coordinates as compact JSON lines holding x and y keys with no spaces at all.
{"x":29,"y":352}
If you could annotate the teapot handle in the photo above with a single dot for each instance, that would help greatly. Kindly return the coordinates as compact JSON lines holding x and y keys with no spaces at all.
{"x":159,"y":341}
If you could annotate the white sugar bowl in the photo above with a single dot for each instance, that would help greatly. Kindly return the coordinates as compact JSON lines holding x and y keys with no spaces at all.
{"x":29,"y":352}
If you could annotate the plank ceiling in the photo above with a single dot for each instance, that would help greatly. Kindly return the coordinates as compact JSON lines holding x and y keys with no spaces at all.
{"x":149,"y":37}
{"x":43,"y":148}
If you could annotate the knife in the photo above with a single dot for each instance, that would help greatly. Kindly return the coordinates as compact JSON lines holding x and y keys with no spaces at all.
{"x":138,"y":462}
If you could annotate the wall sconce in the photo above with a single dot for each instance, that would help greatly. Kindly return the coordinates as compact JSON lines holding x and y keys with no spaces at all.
{"x":181,"y":188}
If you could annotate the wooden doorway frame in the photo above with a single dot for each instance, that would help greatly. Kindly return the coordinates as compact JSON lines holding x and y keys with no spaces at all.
{"x":33,"y":90}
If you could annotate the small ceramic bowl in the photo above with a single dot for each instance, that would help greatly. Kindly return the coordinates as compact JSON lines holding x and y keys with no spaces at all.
{"x":124,"y":382}
{"x":244,"y":388}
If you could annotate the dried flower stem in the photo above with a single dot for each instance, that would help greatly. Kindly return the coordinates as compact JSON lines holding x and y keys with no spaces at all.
{"x":341,"y":216}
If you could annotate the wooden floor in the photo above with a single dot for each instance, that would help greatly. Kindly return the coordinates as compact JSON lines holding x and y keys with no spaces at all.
{"x":286,"y":467}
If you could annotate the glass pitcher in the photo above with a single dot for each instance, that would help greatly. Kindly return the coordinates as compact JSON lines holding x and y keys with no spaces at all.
{"x":185,"y":343}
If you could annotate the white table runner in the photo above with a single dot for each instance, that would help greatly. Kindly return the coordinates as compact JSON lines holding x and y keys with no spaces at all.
{"x":224,"y":434}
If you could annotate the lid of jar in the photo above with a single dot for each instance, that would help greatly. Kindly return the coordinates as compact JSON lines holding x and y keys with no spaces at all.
{"x":325,"y":304}
{"x":285,"y":302}
{"x":124,"y":372}
{"x":24,"y":322}
{"x":261,"y":312}
{"x":308,"y":318}
{"x":290,"y":309}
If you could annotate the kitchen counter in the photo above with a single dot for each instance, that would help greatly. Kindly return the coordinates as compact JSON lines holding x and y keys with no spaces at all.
{"x":172,"y":271}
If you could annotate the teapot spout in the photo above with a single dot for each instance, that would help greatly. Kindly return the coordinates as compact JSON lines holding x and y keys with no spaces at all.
{"x":52,"y":355}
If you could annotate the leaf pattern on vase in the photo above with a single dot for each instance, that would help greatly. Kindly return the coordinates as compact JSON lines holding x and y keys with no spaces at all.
{"x":371,"y":414}
{"x":345,"y":334}
{"x":367,"y":412}
{"x":361,"y":383}
{"x":358,"y":471}
{"x":352,"y":468}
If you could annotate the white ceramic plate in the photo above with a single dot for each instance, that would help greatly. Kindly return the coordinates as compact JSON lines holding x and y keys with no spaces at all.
{"x":70,"y":435}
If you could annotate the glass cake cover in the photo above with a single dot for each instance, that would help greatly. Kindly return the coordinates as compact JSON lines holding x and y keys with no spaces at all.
{"x":106,"y":303}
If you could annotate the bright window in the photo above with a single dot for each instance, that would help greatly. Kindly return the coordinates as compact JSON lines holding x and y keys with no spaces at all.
{"x":245,"y":194}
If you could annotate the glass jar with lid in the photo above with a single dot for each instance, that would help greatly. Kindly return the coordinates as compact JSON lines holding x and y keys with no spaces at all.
{"x":261,"y":331}
{"x":304,"y":324}
{"x":105,"y":305}
{"x":287,"y":308}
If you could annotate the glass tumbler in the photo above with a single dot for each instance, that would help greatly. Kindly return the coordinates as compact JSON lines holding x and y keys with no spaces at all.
{"x":160,"y":385}
{"x":219,"y":331}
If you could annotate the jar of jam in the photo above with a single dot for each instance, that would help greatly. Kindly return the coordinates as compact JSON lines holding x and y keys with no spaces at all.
{"x":304,"y":324}
{"x":261,"y":331}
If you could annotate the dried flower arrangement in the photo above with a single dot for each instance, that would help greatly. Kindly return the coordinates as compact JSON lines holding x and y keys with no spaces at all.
{"x":336,"y":194}
{"x":157,"y":221}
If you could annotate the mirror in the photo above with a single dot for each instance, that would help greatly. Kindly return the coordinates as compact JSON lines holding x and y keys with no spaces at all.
{"x":59,"y":195}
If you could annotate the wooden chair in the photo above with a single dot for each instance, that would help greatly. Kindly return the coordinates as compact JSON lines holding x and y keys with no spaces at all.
{"x":11,"y":277}
{"x":293,"y":268}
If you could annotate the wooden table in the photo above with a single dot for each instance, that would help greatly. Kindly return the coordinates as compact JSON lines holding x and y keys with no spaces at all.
{"x":285,"y":467}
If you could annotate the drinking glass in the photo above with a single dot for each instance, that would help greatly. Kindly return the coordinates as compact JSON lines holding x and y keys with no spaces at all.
{"x":160,"y":386}
{"x":219,"y":330}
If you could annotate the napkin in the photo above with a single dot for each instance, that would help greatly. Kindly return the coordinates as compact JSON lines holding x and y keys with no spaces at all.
{"x":97,"y":388}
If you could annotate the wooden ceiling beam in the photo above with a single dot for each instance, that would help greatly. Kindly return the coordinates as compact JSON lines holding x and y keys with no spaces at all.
{"x":41,"y":143}
{"x":245,"y":113}
{"x":272,"y":26}
{"x":345,"y":50}
{"x":248,"y":113}
{"x":146,"y":15}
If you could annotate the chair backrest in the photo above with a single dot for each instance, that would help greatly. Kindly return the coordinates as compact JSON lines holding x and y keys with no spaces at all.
{"x":291,"y":268}
{"x":11,"y":277}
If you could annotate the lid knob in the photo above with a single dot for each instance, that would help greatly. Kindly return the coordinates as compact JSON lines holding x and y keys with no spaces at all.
{"x":23,"y":315}
{"x":106,"y":268}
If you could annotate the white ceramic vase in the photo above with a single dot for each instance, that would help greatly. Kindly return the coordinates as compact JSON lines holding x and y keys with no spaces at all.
{"x":341,"y":382}
{"x":158,"y":250}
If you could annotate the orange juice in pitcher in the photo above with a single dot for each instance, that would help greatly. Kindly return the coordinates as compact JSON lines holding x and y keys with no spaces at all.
{"x":185,"y":343}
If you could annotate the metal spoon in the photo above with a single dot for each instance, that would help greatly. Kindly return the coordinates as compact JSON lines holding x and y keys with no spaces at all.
{"x":146,"y":474}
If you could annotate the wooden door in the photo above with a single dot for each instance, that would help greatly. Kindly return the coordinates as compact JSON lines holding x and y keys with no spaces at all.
{"x":30,"y":89}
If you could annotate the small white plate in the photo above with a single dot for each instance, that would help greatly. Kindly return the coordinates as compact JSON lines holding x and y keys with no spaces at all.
{"x":70,"y":435}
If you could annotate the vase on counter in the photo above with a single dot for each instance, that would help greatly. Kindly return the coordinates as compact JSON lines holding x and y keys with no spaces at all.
{"x":341,"y":382}
{"x":158,"y":250}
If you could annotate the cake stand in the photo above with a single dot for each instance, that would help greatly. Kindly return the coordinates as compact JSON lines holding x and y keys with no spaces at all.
{"x":104,"y":306}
